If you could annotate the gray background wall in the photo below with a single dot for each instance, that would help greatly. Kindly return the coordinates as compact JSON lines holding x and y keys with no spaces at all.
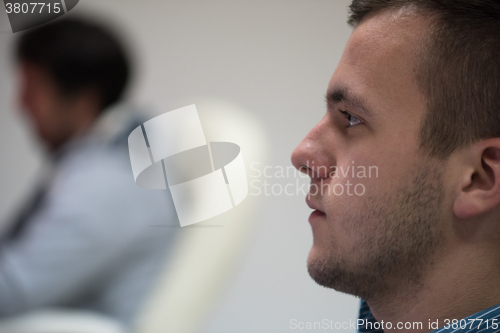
{"x":273,"y":58}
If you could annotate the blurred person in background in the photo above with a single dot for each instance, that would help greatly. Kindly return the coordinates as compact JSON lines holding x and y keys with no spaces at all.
{"x":85,"y":240}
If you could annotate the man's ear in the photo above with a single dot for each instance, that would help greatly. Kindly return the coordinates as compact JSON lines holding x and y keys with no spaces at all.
{"x":87,"y":103}
{"x":479,"y":189}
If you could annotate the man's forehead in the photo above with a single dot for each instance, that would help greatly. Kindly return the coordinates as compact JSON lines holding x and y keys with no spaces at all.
{"x":388,"y":34}
{"x":378,"y":63}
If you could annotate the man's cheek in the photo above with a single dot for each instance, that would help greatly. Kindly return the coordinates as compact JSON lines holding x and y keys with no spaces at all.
{"x":351,"y":181}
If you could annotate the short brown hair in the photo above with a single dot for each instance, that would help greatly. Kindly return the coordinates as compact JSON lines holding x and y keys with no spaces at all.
{"x":78,"y":53}
{"x":458,"y":69}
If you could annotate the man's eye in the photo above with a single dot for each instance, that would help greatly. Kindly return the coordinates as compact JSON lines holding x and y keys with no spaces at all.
{"x":352,"y":120}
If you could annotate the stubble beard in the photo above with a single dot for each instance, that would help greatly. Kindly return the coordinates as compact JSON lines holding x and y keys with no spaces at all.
{"x":400,"y":235}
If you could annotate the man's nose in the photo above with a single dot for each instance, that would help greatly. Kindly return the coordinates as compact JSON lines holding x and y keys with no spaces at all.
{"x":314,"y":155}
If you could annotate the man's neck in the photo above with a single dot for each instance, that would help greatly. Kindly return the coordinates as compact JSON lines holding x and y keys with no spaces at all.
{"x":458,"y":285}
{"x":74,"y":128}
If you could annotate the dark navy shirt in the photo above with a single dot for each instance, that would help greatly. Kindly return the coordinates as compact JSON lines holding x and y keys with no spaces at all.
{"x":486,"y":321}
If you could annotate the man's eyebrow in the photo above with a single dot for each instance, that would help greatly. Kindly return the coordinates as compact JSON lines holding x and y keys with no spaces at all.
{"x":339,"y":95}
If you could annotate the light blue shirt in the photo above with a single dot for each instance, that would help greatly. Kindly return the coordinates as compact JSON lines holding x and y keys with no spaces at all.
{"x":96,"y":241}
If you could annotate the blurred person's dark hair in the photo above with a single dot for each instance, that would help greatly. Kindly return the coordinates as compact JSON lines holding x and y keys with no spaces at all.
{"x":78,"y":54}
{"x":458,"y":69}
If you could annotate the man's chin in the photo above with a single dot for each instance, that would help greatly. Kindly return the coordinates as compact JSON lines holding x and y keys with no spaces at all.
{"x":319,"y":269}
{"x":331,"y":273}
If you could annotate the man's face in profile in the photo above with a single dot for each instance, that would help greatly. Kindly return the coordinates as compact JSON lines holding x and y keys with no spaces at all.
{"x":41,"y":100}
{"x":54,"y":116}
{"x":364,"y":244}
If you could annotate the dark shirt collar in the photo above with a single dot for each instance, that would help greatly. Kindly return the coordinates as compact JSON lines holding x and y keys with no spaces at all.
{"x":486,"y":321}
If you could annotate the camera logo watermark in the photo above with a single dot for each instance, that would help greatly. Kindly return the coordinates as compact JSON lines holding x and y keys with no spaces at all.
{"x":28,"y":14}
{"x":205,"y":179}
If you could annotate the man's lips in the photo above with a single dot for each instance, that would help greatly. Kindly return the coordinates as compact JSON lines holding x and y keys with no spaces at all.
{"x":313,"y":205}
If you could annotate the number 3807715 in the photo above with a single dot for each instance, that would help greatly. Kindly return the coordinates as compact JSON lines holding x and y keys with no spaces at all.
{"x":32,"y":7}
